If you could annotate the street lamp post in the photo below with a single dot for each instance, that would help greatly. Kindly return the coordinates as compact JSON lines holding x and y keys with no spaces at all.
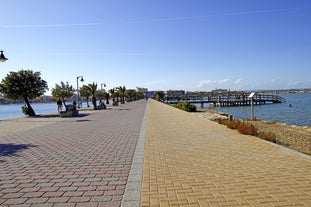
{"x":101,"y":86}
{"x":81,"y":79}
{"x":2,"y":57}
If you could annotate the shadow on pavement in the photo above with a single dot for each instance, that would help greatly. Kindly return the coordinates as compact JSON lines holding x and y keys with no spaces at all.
{"x":46,"y":116}
{"x":57,"y":116}
{"x":13,"y":149}
{"x":82,"y":120}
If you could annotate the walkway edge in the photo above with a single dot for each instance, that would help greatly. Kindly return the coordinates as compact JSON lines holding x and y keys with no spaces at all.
{"x":132,"y":194}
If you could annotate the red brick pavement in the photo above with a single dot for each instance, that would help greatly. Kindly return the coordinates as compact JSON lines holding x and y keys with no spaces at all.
{"x":81,"y":161}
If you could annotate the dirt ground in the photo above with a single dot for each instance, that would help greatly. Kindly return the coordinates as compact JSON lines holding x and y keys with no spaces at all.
{"x":294,"y":137}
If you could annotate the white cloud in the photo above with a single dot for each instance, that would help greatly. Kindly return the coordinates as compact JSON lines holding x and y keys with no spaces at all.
{"x":238,"y":81}
{"x":224,"y":81}
{"x":273,"y":80}
{"x":295,"y":84}
{"x":242,"y":84}
{"x":212,"y":84}
{"x":227,"y":83}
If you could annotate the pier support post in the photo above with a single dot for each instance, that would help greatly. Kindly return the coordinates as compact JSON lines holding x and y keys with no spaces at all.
{"x":251,"y":96}
{"x":252,"y":106}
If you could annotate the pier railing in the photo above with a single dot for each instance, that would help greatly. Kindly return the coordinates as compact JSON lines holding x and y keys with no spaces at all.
{"x":226,"y":100}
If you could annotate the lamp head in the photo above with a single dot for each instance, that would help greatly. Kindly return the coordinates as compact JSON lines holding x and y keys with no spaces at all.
{"x":82,"y":79}
{"x":2,"y":57}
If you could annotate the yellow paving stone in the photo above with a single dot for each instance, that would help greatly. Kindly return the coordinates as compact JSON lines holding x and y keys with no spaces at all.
{"x":228,"y":196}
{"x":171,"y":194}
{"x":282,"y":204}
{"x":181,"y":196}
{"x":179,"y":202}
{"x":192,"y":199}
{"x":203,"y":202}
{"x":229,"y":203}
{"x":164,"y":204}
{"x":241,"y":200}
{"x":145,"y":199}
{"x":305,"y":202}
{"x":191,"y":159}
{"x":154,"y":202}
{"x":153,"y":187}
{"x":190,"y":205}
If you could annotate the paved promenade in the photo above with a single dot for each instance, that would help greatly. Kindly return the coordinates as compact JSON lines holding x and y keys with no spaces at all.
{"x":80,"y":161}
{"x":194,"y":162}
{"x":131,"y":156}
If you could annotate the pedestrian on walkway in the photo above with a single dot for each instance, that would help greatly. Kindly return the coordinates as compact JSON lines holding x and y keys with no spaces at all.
{"x":59,"y":105}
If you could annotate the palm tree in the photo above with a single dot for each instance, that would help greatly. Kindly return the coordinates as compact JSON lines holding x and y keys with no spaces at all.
{"x":122,"y":92}
{"x":112,"y":93}
{"x":131,"y":94}
{"x":159,"y":95}
{"x":107,"y":97}
{"x":100,"y":94}
{"x":93,"y":88}
{"x":85,"y":92}
{"x":62,"y":91}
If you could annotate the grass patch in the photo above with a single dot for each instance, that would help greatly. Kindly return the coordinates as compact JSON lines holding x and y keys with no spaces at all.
{"x":186,"y":106}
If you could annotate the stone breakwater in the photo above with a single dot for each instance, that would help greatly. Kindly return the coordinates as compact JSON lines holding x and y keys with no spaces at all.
{"x":294,"y":137}
{"x":211,"y":115}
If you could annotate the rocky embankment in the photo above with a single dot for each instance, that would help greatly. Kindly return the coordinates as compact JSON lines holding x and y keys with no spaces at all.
{"x":294,"y":137}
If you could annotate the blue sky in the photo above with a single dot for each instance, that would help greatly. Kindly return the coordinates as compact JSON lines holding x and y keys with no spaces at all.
{"x":193,"y":45}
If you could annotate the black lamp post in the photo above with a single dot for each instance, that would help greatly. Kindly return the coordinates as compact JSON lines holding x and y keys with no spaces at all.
{"x":2,"y":57}
{"x":81,"y":79}
{"x":101,"y":86}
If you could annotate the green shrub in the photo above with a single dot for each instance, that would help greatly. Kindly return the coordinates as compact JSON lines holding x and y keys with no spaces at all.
{"x":25,"y":110}
{"x":186,"y":106}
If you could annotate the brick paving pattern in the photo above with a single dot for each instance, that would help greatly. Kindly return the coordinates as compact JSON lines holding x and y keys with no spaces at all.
{"x":190,"y":161}
{"x":98,"y":159}
{"x":80,"y":161}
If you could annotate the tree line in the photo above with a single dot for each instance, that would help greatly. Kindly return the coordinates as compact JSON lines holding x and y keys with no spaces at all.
{"x":27,"y":85}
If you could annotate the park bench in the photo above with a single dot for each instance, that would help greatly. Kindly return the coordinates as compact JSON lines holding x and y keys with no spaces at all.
{"x":101,"y":106}
{"x":71,"y":111}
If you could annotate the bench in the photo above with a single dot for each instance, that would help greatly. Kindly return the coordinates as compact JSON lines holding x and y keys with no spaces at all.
{"x":71,"y":111}
{"x":101,"y":106}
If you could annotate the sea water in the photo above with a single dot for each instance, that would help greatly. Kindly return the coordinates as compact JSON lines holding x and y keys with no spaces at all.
{"x":296,"y":110}
{"x":8,"y":111}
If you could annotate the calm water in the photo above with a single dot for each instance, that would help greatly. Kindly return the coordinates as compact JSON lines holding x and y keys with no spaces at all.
{"x":15,"y":110}
{"x":299,"y":114}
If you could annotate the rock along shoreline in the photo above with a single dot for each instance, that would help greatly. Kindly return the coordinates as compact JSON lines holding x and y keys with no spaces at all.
{"x":294,"y":137}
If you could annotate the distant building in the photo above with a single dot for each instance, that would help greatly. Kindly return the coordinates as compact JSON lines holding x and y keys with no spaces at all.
{"x":175,"y":93}
{"x":150,"y":94}
{"x":142,"y":90}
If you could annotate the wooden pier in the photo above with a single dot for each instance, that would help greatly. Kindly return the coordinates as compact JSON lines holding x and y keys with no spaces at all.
{"x":226,"y":100}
